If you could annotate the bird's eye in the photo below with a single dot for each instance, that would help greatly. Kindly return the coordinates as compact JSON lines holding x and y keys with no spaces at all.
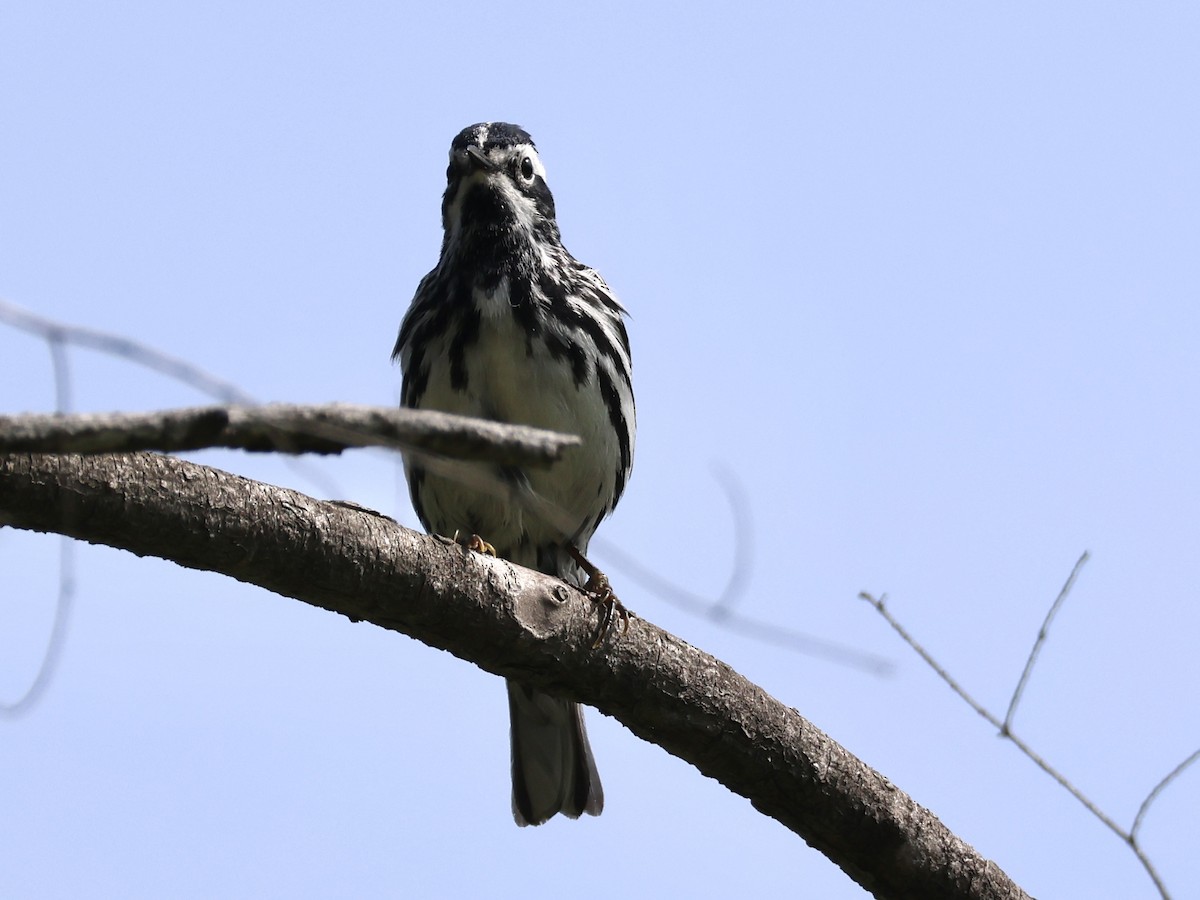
{"x":526,"y":168}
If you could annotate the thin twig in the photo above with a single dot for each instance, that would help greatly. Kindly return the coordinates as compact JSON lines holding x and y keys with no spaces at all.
{"x":58,"y":632}
{"x":757,"y":629}
{"x":116,"y":345}
{"x":743,"y":544}
{"x":720,"y":609}
{"x":881,"y":608}
{"x":1158,"y":789}
{"x":1129,"y":837}
{"x":60,"y":334}
{"x":66,"y":566}
{"x":61,"y":364}
{"x":1041,"y":639}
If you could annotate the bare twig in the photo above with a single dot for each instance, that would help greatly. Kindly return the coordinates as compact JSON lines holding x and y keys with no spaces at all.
{"x":1004,"y":727}
{"x":58,"y":632}
{"x":1158,"y":789}
{"x":66,"y":567}
{"x":284,"y":428}
{"x":62,"y":374}
{"x":1043,"y":632}
{"x":58,"y":335}
{"x":757,"y":629}
{"x":743,"y":543}
{"x":720,"y":609}
{"x":117,"y":345}
{"x":48,"y":665}
{"x":881,"y":608}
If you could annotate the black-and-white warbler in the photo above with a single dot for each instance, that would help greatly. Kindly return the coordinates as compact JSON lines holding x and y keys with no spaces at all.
{"x":509,"y":326}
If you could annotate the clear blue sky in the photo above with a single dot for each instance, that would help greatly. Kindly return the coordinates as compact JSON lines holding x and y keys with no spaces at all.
{"x":924,"y":275}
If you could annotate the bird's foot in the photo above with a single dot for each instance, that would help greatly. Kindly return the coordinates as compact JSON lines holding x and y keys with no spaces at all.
{"x":474,"y":542}
{"x":599,"y":589}
{"x":479,"y":545}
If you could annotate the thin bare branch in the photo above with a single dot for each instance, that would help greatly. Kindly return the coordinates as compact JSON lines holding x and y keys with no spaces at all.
{"x":13,"y":709}
{"x":1129,"y":837}
{"x":1091,"y":807}
{"x":62,"y":375}
{"x":48,"y":665}
{"x":60,"y":335}
{"x":720,"y":609}
{"x":881,"y":608}
{"x":743,"y":543}
{"x":125,"y":348}
{"x":757,"y":629}
{"x":284,"y":428}
{"x":1043,"y":632}
{"x":1158,"y":789}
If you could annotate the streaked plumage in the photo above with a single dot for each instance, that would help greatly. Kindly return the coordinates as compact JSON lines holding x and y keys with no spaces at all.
{"x":509,"y":326}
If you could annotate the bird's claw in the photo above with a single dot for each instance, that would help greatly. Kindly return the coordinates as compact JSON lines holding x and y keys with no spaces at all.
{"x":600,"y":591}
{"x":474,"y":542}
{"x":479,"y":545}
{"x":612,"y":609}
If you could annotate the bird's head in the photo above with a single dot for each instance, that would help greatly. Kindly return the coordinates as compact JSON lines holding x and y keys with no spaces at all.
{"x":496,"y":185}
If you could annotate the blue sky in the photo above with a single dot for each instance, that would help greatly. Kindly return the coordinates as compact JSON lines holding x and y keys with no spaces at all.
{"x":923,"y":275}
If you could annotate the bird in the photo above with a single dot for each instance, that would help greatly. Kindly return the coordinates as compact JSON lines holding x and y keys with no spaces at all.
{"x":510,"y":327}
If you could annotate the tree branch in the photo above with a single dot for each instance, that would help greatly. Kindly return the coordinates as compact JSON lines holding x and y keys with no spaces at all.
{"x":513,"y":622}
{"x":285,"y":428}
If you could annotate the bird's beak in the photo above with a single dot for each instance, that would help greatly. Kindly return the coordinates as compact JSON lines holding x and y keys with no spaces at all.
{"x":476,"y":160}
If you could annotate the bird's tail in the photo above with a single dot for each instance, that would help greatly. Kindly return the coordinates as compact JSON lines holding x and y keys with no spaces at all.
{"x":552,"y":766}
{"x":553,"y":769}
